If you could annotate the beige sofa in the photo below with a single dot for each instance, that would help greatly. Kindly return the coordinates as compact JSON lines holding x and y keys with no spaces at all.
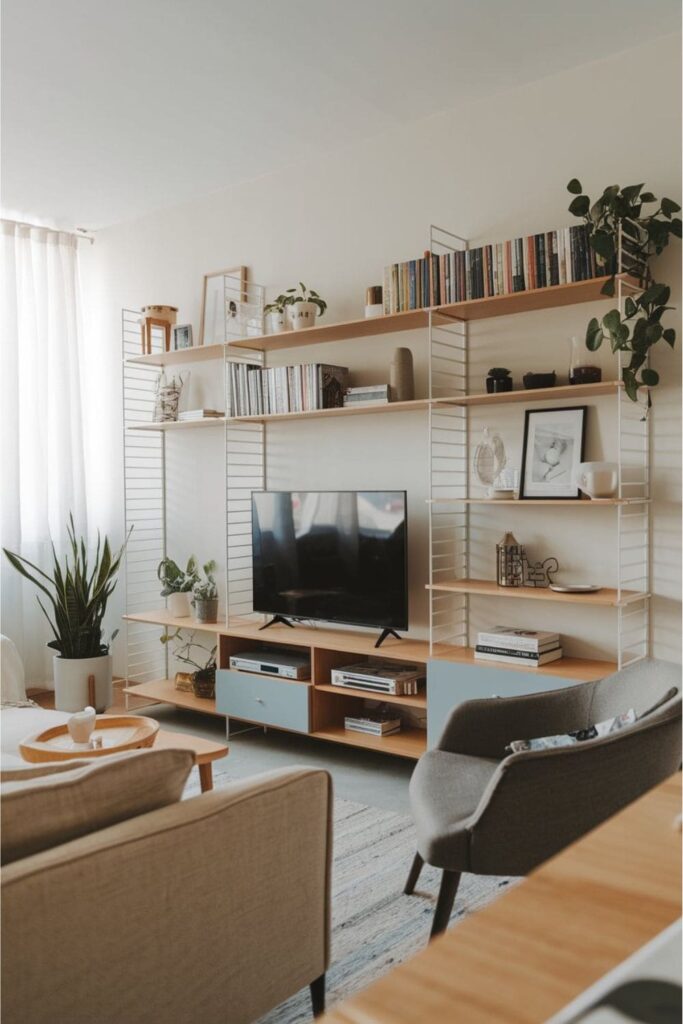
{"x":213,"y":909}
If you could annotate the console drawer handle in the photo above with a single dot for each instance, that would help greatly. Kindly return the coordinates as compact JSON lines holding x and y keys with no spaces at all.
{"x":259,"y":700}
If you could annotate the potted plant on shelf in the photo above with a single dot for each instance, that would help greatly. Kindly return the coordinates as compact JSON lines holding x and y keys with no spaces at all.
{"x":276,"y":315}
{"x":204,"y":675}
{"x":624,"y":237}
{"x":205,"y":595}
{"x":78,"y":593}
{"x":303,"y":305}
{"x":177,"y":584}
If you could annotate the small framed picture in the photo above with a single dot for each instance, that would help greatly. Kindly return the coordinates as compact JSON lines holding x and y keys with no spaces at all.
{"x":553,"y":448}
{"x":182,"y":336}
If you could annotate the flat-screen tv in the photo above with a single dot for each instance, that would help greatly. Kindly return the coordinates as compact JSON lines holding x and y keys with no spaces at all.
{"x":339,"y":556}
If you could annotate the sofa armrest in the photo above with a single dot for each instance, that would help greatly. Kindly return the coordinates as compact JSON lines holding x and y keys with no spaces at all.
{"x":483,"y":728}
{"x":215,"y":907}
{"x":538,"y":802}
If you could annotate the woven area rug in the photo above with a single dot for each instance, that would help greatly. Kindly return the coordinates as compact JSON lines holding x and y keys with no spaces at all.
{"x":374,"y":926}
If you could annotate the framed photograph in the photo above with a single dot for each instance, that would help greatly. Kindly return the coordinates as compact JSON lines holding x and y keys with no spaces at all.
{"x":553,"y":448}
{"x":182,"y":336}
{"x":212,"y":323}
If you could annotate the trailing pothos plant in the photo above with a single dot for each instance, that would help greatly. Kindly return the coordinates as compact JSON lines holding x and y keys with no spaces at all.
{"x":623,"y":237}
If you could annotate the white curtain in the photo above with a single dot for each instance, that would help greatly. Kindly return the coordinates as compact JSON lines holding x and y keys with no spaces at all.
{"x":42,"y":439}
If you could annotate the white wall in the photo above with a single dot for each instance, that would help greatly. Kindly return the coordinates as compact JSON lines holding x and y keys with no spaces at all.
{"x":495,"y":169}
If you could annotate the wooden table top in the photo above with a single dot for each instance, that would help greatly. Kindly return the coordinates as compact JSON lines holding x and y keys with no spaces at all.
{"x":204,"y":751}
{"x":533,"y":950}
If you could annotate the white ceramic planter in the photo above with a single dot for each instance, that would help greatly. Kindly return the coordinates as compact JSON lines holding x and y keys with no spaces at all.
{"x":302,"y":314}
{"x":276,"y":322}
{"x":71,"y":682}
{"x":179,"y":605}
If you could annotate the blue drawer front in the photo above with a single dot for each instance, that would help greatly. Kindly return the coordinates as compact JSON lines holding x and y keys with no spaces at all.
{"x":450,"y":683}
{"x":264,"y":700}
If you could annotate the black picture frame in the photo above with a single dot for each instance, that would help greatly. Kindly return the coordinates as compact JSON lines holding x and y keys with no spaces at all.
{"x":531,"y":489}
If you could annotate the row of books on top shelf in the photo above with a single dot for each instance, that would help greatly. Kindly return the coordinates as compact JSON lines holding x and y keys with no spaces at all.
{"x":520,"y":264}
{"x":261,"y":391}
{"x":528,"y":647}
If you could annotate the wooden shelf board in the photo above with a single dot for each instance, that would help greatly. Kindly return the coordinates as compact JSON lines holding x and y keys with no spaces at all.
{"x":530,"y":502}
{"x":410,"y":743}
{"x":581,"y":670}
{"x":405,"y":649}
{"x":410,"y":406}
{"x":418,"y":700}
{"x":529,"y":301}
{"x":559,"y":392}
{"x":196,"y":354}
{"x":163,"y":691}
{"x":472,"y":309}
{"x":361,"y":643}
{"x":179,"y":424}
{"x":607,"y":597}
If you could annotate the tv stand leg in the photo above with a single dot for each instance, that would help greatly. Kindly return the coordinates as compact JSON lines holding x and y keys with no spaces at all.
{"x":384,"y":634}
{"x":275,"y":619}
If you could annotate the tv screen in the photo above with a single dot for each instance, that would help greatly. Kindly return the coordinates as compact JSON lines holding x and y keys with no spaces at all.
{"x":340,"y":556}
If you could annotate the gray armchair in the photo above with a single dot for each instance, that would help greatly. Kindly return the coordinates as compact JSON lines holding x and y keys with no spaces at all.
{"x":477,"y":809}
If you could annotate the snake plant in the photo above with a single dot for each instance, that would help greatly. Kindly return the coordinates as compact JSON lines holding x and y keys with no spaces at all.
{"x":78,"y":593}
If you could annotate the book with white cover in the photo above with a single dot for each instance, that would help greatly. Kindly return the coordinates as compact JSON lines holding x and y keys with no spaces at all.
{"x":520,"y":639}
{"x":511,"y":659}
{"x":199,"y":414}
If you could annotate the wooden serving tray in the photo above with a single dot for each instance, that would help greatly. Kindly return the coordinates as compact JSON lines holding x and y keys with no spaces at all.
{"x":118,"y":732}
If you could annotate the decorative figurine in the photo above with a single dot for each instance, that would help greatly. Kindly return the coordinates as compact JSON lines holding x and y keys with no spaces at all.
{"x":539,"y":574}
{"x":510,"y":558}
{"x":498,"y":380}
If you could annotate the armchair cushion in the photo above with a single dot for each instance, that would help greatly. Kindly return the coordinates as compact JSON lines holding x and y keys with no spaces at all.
{"x":62,"y":806}
{"x":445,"y":791}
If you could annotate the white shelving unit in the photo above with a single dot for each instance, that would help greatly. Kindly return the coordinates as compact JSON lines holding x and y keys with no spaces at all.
{"x":448,"y":405}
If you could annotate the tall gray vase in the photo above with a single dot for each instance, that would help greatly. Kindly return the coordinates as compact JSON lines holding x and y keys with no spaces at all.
{"x":401,"y":376}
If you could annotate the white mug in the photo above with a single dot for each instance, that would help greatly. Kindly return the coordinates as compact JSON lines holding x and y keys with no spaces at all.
{"x":597,"y":479}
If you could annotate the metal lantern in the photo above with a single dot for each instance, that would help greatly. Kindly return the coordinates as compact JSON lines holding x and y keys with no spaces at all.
{"x":510,"y":556}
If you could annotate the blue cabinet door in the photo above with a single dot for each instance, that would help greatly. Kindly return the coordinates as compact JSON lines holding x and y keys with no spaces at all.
{"x":450,"y":683}
{"x":262,"y":699}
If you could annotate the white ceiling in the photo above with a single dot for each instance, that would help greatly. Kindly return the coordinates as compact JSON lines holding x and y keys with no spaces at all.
{"x":113,"y":108}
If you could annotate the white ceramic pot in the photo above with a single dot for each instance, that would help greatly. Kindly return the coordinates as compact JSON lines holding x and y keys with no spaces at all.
{"x":598,"y":479}
{"x":302,"y":314}
{"x":179,"y":605}
{"x":71,"y":682}
{"x":276,"y":322}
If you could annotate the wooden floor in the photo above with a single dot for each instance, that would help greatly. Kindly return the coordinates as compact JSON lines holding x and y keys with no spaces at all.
{"x":46,"y":699}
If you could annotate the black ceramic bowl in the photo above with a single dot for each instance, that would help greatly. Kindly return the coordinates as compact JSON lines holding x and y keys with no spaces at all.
{"x":539,"y":380}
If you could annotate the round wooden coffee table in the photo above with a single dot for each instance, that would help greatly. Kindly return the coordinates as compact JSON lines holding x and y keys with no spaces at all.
{"x":205,"y":752}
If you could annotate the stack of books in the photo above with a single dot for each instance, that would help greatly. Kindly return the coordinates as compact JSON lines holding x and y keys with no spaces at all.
{"x":372,"y":394}
{"x":373,"y":725}
{"x":257,"y":391}
{"x":520,"y":264}
{"x":527,"y":647}
{"x":199,"y":414}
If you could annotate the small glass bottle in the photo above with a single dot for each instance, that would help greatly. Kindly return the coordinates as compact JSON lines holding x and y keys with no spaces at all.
{"x":584,"y":365}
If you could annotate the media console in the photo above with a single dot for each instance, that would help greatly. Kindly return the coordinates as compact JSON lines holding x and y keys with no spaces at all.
{"x":317,"y":708}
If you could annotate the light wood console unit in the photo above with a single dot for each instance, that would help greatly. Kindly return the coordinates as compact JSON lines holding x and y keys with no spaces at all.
{"x":317,"y":708}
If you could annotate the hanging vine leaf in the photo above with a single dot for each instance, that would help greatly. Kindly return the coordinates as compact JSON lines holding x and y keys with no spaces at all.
{"x":617,"y":219}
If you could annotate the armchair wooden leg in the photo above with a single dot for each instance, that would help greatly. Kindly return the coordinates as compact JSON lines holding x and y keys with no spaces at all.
{"x":413,"y":875}
{"x":444,"y":905}
{"x":317,"y":988}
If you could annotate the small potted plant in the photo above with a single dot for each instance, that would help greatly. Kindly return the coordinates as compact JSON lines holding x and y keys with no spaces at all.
{"x":78,"y":592}
{"x":177,"y":585}
{"x":276,"y":315}
{"x":498,"y":380}
{"x":204,"y":675}
{"x":205,"y":595}
{"x":303,"y":305}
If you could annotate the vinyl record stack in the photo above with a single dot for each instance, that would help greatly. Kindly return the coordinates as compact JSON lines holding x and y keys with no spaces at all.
{"x":526,"y":648}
